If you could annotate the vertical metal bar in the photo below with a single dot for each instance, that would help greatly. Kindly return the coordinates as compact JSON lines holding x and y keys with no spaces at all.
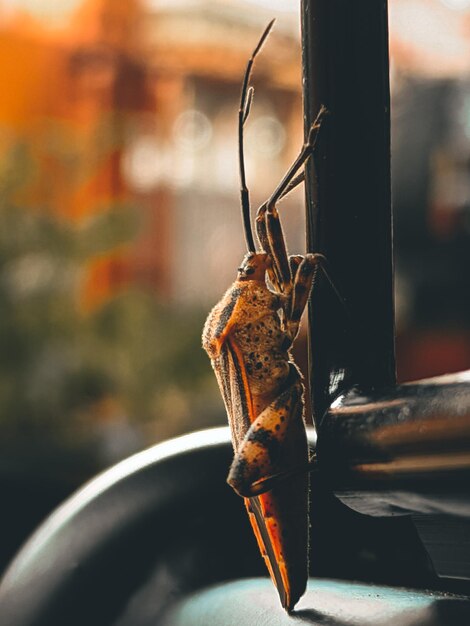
{"x":345,"y":68}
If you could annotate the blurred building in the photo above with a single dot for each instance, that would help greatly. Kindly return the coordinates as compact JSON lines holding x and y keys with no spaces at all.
{"x":147,"y":100}
{"x":198,"y":55}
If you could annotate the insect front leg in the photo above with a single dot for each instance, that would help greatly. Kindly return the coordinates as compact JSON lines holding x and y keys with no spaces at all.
{"x":268,"y":225}
{"x":261,"y":229}
{"x":275,"y":445}
{"x":305,"y":271}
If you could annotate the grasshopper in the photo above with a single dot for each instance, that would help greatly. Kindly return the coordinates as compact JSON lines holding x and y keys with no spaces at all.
{"x":248,"y":336}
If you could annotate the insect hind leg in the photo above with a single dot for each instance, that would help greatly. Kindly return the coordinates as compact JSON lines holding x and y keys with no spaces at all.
{"x":275,"y":445}
{"x":305,"y":271}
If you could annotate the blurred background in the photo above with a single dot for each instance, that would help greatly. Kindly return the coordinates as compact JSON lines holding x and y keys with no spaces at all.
{"x":120,"y":225}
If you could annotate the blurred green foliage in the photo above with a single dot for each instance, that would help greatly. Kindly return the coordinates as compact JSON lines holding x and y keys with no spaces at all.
{"x":59,"y":366}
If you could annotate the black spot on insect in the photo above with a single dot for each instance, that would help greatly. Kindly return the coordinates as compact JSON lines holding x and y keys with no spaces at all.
{"x":254,"y":299}
{"x":266,"y":358}
{"x":252,"y":355}
{"x":256,"y":339}
{"x":259,"y":365}
{"x":248,"y":325}
{"x":277,"y":427}
{"x":280,"y":401}
{"x":282,"y":418}
{"x":266,"y":439}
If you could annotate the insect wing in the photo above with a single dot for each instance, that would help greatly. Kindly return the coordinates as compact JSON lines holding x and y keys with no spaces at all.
{"x":237,"y":397}
{"x":279,"y":518}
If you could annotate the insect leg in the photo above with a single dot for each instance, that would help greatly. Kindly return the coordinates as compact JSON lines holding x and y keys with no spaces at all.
{"x":262,"y":233}
{"x":270,"y":233}
{"x":275,"y":444}
{"x":307,"y":150}
{"x":304,"y":280}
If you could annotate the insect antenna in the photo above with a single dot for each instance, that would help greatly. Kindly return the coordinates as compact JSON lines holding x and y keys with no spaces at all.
{"x":246,"y":100}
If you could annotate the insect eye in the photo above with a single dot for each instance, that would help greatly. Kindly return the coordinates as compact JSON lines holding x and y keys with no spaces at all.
{"x":250,"y":270}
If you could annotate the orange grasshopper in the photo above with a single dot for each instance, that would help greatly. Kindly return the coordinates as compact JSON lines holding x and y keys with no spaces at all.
{"x":248,"y":336}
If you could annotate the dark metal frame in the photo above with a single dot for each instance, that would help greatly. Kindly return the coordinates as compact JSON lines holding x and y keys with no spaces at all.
{"x":345,"y":64}
{"x":384,"y":449}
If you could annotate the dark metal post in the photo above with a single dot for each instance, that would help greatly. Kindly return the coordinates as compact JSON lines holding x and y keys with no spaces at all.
{"x":382,"y":449}
{"x":345,"y":65}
